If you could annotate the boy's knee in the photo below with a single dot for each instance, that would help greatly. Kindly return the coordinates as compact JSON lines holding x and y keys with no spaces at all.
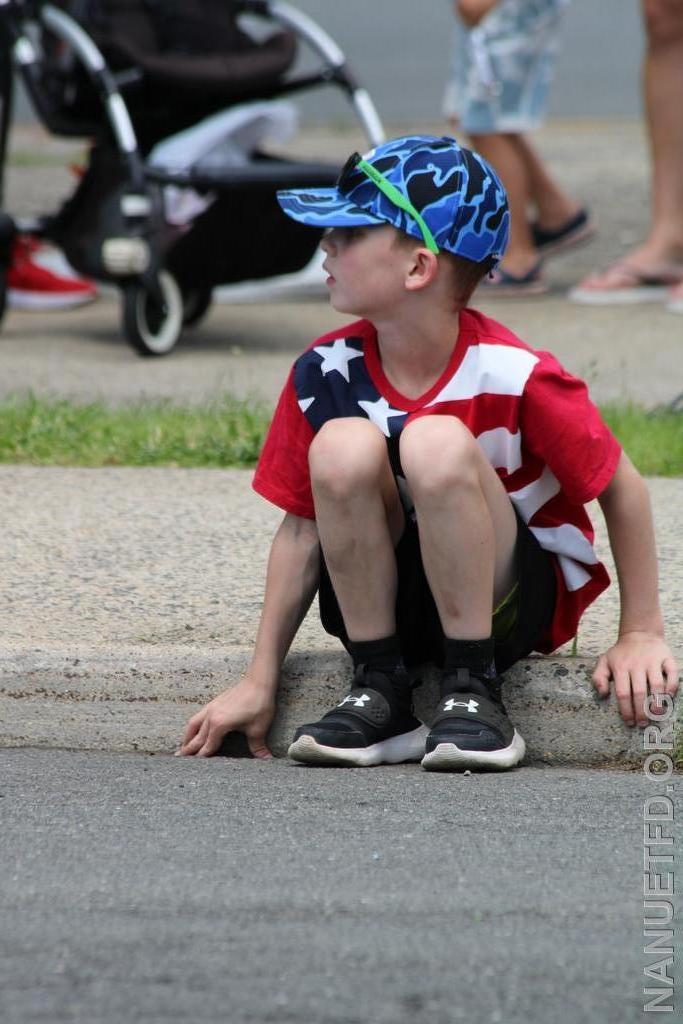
{"x":345,"y":452}
{"x":438,"y":452}
{"x":663,"y":22}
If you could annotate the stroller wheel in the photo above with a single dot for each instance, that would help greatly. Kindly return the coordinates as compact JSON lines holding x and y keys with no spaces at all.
{"x":196,"y":302}
{"x":152,"y":326}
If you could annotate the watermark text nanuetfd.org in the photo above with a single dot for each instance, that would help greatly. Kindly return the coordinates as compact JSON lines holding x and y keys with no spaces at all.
{"x":658,"y":857}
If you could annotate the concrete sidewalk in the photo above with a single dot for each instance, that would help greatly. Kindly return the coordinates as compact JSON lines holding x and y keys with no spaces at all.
{"x":133,"y":595}
{"x":626,"y":353}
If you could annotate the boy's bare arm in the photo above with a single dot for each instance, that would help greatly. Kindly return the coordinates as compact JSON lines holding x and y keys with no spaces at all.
{"x":640,"y":661}
{"x":471,"y":12}
{"x":249,"y":706}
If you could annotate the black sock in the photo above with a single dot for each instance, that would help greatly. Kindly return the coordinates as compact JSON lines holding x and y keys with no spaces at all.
{"x":475,"y":655}
{"x":383,"y":654}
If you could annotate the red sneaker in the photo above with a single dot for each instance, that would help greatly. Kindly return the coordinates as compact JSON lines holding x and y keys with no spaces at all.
{"x":40,"y":278}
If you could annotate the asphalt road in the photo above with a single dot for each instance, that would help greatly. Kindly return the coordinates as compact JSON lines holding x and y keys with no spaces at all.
{"x":152,"y":890}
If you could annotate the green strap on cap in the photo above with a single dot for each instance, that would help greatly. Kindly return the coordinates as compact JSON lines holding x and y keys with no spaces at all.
{"x":399,"y":200}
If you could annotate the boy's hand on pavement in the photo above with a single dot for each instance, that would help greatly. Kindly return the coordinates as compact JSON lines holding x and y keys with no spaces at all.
{"x":639,"y":663}
{"x":243,"y":708}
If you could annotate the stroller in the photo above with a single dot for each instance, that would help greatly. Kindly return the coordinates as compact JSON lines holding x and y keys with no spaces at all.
{"x":131,"y":75}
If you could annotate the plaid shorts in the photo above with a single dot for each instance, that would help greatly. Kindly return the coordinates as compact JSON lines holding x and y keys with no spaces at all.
{"x":502,"y":68}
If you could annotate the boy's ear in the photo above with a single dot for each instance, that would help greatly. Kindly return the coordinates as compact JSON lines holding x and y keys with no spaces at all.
{"x":423,"y":269}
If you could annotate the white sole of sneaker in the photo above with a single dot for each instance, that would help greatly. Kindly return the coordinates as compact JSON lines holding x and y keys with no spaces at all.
{"x":447,"y":757}
{"x":38,"y":301}
{"x":408,"y":747}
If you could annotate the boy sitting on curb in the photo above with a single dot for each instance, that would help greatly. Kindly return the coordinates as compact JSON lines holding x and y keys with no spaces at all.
{"x":434,"y":470}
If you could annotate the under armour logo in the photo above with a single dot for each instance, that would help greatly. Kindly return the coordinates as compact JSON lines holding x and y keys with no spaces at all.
{"x":471,"y":705}
{"x":360,"y":702}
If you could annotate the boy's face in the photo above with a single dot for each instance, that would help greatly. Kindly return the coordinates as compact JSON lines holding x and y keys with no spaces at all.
{"x":366,"y":268}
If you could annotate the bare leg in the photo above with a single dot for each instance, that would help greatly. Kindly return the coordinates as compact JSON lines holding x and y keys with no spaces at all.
{"x":553,"y":206}
{"x":466,"y":522}
{"x":503,"y":154}
{"x":360,"y":520}
{"x":663,"y":89}
{"x":658,"y":261}
{"x":529,"y":185}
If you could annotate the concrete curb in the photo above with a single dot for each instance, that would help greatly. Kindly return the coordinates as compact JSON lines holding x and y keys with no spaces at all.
{"x":139,"y":698}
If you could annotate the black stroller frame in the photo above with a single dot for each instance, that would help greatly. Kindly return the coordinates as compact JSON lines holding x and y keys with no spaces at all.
{"x":166,"y":278}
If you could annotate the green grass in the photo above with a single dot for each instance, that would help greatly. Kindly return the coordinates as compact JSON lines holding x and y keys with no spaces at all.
{"x":61,"y":433}
{"x":55,"y":432}
{"x":653,"y":440}
{"x":228,"y":432}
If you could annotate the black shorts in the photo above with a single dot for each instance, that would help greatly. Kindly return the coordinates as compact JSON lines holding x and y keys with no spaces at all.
{"x":417,"y":620}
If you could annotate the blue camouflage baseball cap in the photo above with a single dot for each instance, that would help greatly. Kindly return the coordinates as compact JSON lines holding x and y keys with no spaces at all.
{"x":430,"y":187}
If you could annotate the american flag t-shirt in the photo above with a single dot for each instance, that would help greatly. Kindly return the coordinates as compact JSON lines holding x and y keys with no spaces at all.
{"x":534,"y":422}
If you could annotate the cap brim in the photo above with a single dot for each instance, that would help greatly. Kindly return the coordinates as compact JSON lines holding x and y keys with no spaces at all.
{"x":324,"y":208}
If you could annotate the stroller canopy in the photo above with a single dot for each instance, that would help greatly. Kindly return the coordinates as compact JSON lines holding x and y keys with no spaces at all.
{"x":187,"y":44}
{"x":177,"y":62}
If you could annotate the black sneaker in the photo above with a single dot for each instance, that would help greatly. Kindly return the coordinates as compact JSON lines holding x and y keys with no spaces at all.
{"x":374,"y":724}
{"x":471,"y":728}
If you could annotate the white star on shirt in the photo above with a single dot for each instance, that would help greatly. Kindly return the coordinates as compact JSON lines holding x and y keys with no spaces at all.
{"x":380,"y":413}
{"x":306,"y":403}
{"x":337,"y":357}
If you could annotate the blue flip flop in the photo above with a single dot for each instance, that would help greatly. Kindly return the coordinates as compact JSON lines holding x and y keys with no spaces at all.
{"x":506,"y":285}
{"x":577,"y":229}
